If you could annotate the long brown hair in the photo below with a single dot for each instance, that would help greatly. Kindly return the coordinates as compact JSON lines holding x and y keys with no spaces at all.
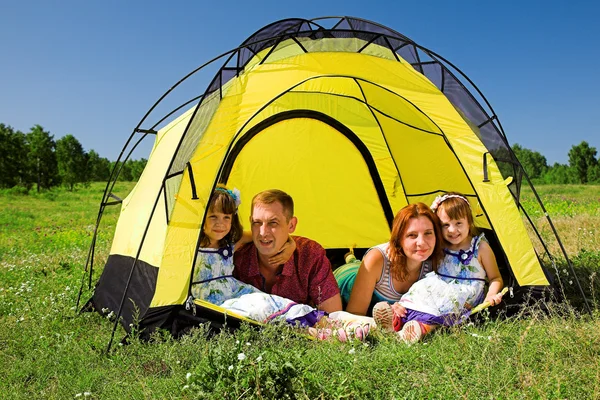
{"x":398,"y":267}
{"x":222,"y":200}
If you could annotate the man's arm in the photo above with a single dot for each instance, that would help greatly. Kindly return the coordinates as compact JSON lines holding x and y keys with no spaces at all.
{"x":331,"y":304}
{"x":323,"y":288}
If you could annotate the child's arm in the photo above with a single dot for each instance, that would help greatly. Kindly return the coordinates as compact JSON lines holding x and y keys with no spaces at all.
{"x":280,"y":258}
{"x":246,"y":238}
{"x":284,"y":254}
{"x":488,"y":262}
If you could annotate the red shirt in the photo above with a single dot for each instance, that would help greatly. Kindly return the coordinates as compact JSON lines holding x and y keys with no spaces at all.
{"x":306,"y":277}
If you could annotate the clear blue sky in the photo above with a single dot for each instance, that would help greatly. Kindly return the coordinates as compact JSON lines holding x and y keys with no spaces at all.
{"x":93,"y":68}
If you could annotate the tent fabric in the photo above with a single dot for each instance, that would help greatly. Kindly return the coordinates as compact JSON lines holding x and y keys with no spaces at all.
{"x":350,"y":129}
{"x":419,"y":143}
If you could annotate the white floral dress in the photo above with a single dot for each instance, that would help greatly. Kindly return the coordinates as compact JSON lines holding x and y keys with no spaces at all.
{"x":460,"y":279}
{"x":213,"y":280}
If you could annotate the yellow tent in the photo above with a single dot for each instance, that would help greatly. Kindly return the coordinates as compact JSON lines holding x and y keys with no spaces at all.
{"x":353,"y":121}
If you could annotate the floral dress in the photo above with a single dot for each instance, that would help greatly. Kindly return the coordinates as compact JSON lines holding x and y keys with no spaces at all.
{"x":460,"y":279}
{"x":214,"y":282}
{"x":213,"y":279}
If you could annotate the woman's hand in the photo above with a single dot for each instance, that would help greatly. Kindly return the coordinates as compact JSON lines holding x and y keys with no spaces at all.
{"x":284,"y":254}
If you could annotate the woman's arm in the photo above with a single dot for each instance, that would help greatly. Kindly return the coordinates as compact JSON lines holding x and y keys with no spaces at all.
{"x":369,"y":273}
{"x":488,"y":262}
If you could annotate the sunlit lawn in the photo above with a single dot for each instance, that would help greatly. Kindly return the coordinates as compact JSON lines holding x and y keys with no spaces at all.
{"x":50,"y":351}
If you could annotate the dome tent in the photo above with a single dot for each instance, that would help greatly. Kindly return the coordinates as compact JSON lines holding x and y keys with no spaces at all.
{"x":352,"y":119}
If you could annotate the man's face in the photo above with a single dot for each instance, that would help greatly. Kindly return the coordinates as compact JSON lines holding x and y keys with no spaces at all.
{"x":270,"y":227}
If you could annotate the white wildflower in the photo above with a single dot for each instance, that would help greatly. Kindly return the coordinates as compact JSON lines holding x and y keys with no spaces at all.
{"x":188,"y":376}
{"x":351,"y":351}
{"x":570,"y":282}
{"x":86,"y":394}
{"x":237,"y":342}
{"x":241,"y":356}
{"x":230,"y":367}
{"x":259,"y":358}
{"x":248,"y":343}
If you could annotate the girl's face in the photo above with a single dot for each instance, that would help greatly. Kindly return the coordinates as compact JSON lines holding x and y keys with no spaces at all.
{"x":217,"y":226}
{"x":455,"y":231}
{"x":418,"y":241}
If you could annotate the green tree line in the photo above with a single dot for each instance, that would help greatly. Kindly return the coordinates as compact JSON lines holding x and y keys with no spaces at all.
{"x":583,"y":167}
{"x":36,"y":159}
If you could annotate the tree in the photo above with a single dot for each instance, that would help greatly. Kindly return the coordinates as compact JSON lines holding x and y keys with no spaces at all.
{"x":137,"y":167}
{"x":534,"y":164}
{"x":42,"y":157}
{"x":582,"y":157}
{"x":125,"y":171}
{"x":594,"y":174}
{"x":98,"y":168}
{"x":13,"y":158}
{"x":72,"y":161}
{"x":559,"y":174}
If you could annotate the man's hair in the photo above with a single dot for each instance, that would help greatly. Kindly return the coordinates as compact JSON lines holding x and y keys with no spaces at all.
{"x":274,"y":195}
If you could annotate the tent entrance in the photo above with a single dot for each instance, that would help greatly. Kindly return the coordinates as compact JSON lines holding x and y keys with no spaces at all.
{"x":288,"y":151}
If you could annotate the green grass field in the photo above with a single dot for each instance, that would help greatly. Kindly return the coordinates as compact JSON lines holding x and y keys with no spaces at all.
{"x":48,"y":351}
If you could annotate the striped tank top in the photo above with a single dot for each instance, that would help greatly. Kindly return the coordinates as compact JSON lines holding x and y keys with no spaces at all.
{"x":384,"y":288}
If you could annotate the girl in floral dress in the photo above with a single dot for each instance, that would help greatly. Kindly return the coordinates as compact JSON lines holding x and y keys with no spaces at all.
{"x":221,"y":235}
{"x":442,"y":298}
{"x":213,"y":281}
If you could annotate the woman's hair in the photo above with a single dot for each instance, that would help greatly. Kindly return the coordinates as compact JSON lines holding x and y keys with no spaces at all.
{"x":398,"y":267}
{"x":457,"y":206}
{"x":222,"y":200}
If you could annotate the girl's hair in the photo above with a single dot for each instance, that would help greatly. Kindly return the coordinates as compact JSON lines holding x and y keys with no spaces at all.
{"x":398,"y":261}
{"x":222,"y":200}
{"x":457,"y":206}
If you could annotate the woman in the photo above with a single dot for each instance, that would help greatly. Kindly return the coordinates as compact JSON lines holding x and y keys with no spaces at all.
{"x":388,"y":270}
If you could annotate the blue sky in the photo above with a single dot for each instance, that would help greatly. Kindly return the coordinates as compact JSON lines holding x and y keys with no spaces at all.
{"x":93,"y":68}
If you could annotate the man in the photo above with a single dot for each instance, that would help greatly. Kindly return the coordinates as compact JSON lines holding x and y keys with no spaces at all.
{"x":306,"y":277}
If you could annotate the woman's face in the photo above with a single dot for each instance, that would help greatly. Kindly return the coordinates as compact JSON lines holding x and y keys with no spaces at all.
{"x":418,"y":241}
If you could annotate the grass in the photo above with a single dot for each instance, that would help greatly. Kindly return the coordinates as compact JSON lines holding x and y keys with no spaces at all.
{"x":575,"y":214}
{"x":49,"y":351}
